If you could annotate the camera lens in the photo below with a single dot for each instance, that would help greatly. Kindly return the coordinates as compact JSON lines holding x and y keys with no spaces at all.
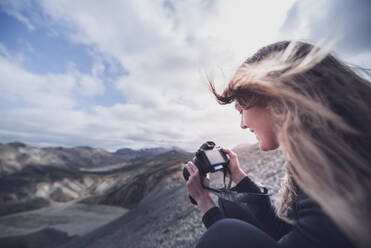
{"x":208,"y":145}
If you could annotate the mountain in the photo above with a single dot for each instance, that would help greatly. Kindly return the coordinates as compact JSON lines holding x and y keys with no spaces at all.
{"x":33,"y":177}
{"x":156,"y":211}
{"x":15,"y":156}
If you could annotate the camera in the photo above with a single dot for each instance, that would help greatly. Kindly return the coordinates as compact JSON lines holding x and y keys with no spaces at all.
{"x":208,"y":159}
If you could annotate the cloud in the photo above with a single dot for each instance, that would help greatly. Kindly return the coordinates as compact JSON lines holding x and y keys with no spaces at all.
{"x":50,"y":91}
{"x":45,"y":108}
{"x":14,"y":8}
{"x":164,"y":47}
{"x":18,"y":85}
{"x":347,"y":22}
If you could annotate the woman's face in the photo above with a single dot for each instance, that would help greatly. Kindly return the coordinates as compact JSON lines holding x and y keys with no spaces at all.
{"x":258,"y":120}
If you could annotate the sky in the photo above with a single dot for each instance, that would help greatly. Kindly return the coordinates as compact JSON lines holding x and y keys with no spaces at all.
{"x":114,"y":74}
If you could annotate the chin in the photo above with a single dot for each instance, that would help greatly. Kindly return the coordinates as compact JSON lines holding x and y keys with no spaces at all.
{"x":262,"y":148}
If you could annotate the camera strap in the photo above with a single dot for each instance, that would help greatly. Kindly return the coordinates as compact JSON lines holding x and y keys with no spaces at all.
{"x":221,"y":190}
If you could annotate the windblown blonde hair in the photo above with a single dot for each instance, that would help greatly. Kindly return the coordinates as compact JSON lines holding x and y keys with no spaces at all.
{"x":321,"y":113}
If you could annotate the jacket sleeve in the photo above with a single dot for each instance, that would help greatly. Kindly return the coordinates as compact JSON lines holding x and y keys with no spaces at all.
{"x":258,"y":210}
{"x":211,"y":216}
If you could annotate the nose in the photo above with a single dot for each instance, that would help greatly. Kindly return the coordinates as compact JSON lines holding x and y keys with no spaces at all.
{"x":243,"y":124}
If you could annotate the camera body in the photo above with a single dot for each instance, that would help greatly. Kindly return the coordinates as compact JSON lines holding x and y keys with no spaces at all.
{"x":208,"y":159}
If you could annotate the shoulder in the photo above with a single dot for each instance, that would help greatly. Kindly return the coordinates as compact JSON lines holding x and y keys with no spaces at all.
{"x":313,"y":227}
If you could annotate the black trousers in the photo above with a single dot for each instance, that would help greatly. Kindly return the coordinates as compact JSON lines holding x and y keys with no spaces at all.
{"x":236,"y":233}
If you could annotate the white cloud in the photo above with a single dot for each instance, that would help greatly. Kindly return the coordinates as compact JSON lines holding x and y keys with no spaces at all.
{"x":165,"y":46}
{"x":344,"y":24}
{"x":14,"y":8}
{"x":50,"y":91}
{"x":19,"y":85}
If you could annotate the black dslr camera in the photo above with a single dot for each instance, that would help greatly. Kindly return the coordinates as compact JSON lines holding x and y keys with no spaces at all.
{"x":208,"y":159}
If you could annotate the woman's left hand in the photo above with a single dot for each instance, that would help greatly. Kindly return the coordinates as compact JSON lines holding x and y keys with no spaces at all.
{"x":196,"y":191}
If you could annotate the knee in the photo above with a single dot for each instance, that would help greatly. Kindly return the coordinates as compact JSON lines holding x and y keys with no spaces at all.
{"x":223,"y":233}
{"x":225,"y":225}
{"x":231,"y":225}
{"x":235,"y":233}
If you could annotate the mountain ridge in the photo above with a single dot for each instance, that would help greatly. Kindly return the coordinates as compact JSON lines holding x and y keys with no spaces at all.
{"x":15,"y":156}
{"x":37,"y":177}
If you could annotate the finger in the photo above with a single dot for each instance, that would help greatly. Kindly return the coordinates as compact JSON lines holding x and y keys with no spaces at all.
{"x":195,"y":177}
{"x":194,"y":167}
{"x":190,"y":168}
{"x":229,"y":152}
{"x":187,"y":167}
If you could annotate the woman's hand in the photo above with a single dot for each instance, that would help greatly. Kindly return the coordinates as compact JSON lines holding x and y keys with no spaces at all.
{"x":234,"y":165}
{"x":195,"y":190}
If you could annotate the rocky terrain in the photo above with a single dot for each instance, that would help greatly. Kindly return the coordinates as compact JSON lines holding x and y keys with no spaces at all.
{"x":33,"y":177}
{"x":138,"y":204}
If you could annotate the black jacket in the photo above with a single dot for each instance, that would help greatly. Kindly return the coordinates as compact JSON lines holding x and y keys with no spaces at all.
{"x":312,"y":228}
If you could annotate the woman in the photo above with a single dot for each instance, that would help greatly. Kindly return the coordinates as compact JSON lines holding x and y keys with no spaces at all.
{"x":298,"y":97}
